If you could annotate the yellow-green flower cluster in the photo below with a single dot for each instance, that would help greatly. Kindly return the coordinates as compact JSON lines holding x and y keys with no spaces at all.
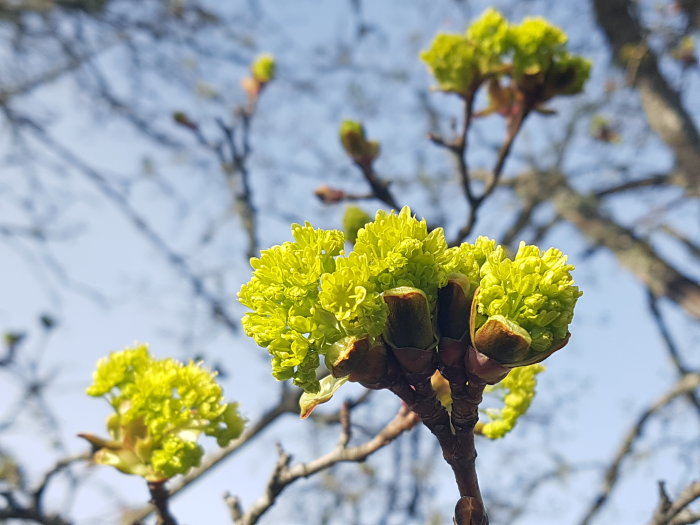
{"x":460,"y":62}
{"x":539,"y":52}
{"x":308,"y":294}
{"x":161,"y":407}
{"x":263,"y":68}
{"x":534,"y":53}
{"x":287,"y":317}
{"x":535,"y":290}
{"x":519,"y":387}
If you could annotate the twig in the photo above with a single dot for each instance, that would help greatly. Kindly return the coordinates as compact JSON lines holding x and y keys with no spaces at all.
{"x":119,"y":200}
{"x":159,"y":499}
{"x":475,"y":203}
{"x":671,"y":346}
{"x":284,"y":475}
{"x":38,"y":494}
{"x":687,"y":383}
{"x":677,"y":512}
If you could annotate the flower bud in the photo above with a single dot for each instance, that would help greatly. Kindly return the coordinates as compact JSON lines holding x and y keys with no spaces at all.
{"x":362,"y":359}
{"x":181,"y":118}
{"x":454,"y":304}
{"x":409,"y":328}
{"x":502,"y":339}
{"x":264,"y":68}
{"x":355,"y":143}
{"x":328,"y":195}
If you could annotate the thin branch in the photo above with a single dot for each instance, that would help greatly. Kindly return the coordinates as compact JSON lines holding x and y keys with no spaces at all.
{"x":119,"y":200}
{"x":662,"y":104}
{"x":60,"y":466}
{"x":284,"y":475}
{"x":677,"y":512}
{"x":671,"y":346}
{"x":687,"y":383}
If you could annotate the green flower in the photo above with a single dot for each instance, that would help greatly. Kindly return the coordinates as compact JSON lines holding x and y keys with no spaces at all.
{"x":461,"y":62}
{"x":469,"y":259}
{"x":531,"y":298}
{"x":263,"y":68}
{"x":489,"y":33}
{"x":519,"y":387}
{"x":542,"y":62}
{"x":452,"y":61}
{"x":287,"y":317}
{"x":401,"y":252}
{"x":160,"y":408}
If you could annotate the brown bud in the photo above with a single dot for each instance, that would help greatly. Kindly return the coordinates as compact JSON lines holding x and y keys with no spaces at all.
{"x":252,"y":87}
{"x":408,"y":323}
{"x":328,"y":195}
{"x":181,"y":118}
{"x":502,"y":340}
{"x":362,"y":359}
{"x":483,"y":367}
{"x":409,"y":329}
{"x":454,"y":303}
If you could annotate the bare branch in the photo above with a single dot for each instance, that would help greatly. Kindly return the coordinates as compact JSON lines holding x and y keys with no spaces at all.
{"x":687,"y":383}
{"x":677,"y":512}
{"x":284,"y":475}
{"x":662,"y":104}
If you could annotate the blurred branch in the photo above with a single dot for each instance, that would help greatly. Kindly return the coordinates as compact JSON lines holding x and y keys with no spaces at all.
{"x":284,"y":474}
{"x":634,"y":253}
{"x":677,"y":512}
{"x":671,"y":346}
{"x":197,"y":284}
{"x":662,"y":104}
{"x":159,"y":499}
{"x":691,"y":8}
{"x":647,"y":182}
{"x":60,"y":466}
{"x":687,"y":383}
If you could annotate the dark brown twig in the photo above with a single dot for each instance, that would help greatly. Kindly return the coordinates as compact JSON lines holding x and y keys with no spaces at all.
{"x":159,"y":499}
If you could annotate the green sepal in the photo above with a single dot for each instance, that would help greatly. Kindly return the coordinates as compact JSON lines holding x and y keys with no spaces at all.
{"x":329,"y":385}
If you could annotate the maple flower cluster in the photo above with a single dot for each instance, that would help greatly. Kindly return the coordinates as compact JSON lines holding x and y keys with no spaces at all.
{"x":533,"y":54}
{"x":307,"y":297}
{"x":161,"y":407}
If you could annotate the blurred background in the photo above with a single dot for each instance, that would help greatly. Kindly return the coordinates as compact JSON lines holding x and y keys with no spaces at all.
{"x":136,"y":181}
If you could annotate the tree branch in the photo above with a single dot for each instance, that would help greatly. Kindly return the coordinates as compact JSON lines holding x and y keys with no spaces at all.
{"x":662,"y":104}
{"x":683,"y":386}
{"x":284,"y":475}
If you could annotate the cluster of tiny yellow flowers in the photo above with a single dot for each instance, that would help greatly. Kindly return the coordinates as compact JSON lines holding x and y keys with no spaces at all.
{"x":161,"y":407}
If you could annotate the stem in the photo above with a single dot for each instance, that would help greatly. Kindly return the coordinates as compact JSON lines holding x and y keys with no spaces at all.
{"x":475,"y":203}
{"x":159,"y":498}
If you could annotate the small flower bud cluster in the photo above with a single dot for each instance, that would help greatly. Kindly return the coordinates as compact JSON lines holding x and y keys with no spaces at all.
{"x":355,"y":143}
{"x":262,"y":72}
{"x":161,"y":407}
